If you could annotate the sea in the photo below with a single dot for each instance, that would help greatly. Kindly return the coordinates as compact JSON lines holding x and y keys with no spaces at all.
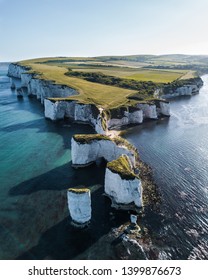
{"x":36,"y":171}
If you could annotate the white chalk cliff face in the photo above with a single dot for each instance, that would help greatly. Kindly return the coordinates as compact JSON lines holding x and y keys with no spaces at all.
{"x":59,"y":109}
{"x":149,"y":111}
{"x":25,"y":79}
{"x":164,"y":108}
{"x":79,"y":204}
{"x":123,"y":191}
{"x":86,"y":113}
{"x":84,"y":154}
{"x":75,"y":111}
{"x":54,"y":110}
{"x":181,"y":91}
{"x":135,"y":117}
{"x":188,"y":89}
{"x":46,"y":89}
{"x":16,"y":70}
{"x":38,"y":87}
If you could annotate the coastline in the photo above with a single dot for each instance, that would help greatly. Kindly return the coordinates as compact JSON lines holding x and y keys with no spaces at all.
{"x":119,"y":230}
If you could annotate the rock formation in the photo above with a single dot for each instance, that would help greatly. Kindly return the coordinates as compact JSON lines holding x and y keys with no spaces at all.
{"x":121,"y":184}
{"x":80,"y":113}
{"x":123,"y":116}
{"x":182,"y":88}
{"x":164,"y":108}
{"x":19,"y":92}
{"x":47,"y":92}
{"x":149,"y":110}
{"x":79,"y":204}
{"x":86,"y":149}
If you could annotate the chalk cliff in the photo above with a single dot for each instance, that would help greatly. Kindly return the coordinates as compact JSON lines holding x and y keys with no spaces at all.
{"x":86,"y":149}
{"x":121,"y":184}
{"x":79,"y":204}
{"x":36,"y":86}
{"x":182,"y":88}
{"x":123,"y":116}
{"x":46,"y":90}
{"x":149,"y":111}
{"x":15,"y":70}
{"x":80,"y":113}
{"x":164,"y":108}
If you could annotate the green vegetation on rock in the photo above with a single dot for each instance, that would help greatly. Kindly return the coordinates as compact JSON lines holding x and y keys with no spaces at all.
{"x":171,"y":87}
{"x":146,"y":89}
{"x":114,"y":81}
{"x":122,"y":167}
{"x":119,"y":141}
{"x":89,"y":93}
{"x":88,"y":138}
{"x":79,"y":191}
{"x":123,"y":142}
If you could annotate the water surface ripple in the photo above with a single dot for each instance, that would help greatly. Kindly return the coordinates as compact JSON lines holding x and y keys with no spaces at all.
{"x":177,"y":151}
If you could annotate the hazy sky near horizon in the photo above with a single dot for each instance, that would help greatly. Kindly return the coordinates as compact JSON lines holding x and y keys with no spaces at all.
{"x":40,"y":28}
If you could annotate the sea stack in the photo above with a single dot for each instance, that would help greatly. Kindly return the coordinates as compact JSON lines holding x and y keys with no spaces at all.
{"x":79,"y":204}
{"x":122,"y":185}
{"x":13,"y":85}
{"x":19,"y":93}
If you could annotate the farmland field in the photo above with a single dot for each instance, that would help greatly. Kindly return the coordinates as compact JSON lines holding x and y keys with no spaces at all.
{"x":130,"y":68}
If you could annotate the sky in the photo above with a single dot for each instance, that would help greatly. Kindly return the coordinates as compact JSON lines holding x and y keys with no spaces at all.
{"x":46,"y":28}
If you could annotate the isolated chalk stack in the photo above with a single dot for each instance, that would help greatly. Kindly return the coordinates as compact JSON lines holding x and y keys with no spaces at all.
{"x":79,"y":204}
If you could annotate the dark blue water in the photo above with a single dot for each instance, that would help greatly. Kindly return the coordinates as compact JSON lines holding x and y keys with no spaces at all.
{"x":35,"y":172}
{"x":177,"y":151}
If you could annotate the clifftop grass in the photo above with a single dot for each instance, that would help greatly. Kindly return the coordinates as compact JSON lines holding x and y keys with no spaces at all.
{"x":89,"y":138}
{"x":122,"y":167}
{"x":79,"y":191}
{"x":107,"y":82}
{"x":105,"y":96}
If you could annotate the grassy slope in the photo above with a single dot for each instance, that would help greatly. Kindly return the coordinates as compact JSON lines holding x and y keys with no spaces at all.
{"x":122,"y":167}
{"x":129,"y":67}
{"x":189,"y":75}
{"x":157,"y":76}
{"x":101,"y":95}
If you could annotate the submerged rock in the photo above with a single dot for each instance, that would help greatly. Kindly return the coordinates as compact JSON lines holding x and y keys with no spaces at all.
{"x":79,"y":204}
{"x":133,"y":219}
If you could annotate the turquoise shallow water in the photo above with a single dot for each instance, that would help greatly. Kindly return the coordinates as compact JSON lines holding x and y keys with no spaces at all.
{"x":35,"y":172}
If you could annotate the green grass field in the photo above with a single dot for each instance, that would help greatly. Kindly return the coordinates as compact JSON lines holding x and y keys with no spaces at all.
{"x":106,"y":96}
{"x":157,"y":76}
{"x":101,"y":95}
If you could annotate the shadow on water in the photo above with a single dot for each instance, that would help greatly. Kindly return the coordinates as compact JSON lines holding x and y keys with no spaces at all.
{"x":61,"y":240}
{"x":64,"y":128}
{"x":60,"y":178}
{"x":44,"y":216}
